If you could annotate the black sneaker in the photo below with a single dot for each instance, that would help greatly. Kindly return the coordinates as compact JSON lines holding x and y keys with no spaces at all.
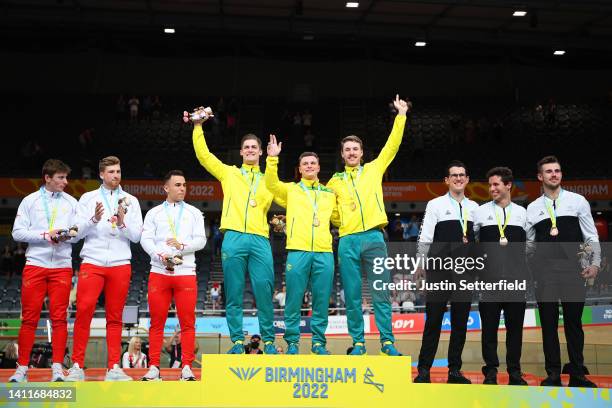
{"x":490,"y":378}
{"x":516,"y":378}
{"x":581,"y":381}
{"x":553,"y":380}
{"x":456,"y":377}
{"x":423,"y":376}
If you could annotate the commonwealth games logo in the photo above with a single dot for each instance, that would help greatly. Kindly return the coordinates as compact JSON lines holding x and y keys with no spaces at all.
{"x":245,"y":374}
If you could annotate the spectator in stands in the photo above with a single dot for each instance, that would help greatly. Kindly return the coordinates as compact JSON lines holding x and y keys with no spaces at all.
{"x":9,"y":358}
{"x":8,"y":261}
{"x":253,"y":346}
{"x":604,"y":276}
{"x":217,"y":239}
{"x":309,"y":140}
{"x":280,"y":350}
{"x":120,"y":106}
{"x":411,"y":229}
{"x":157,"y":107}
{"x":281,"y":296}
{"x":551,"y":112}
{"x":306,"y":120}
{"x":147,"y":171}
{"x":134,"y":357}
{"x":172,"y":346}
{"x":20,"y":256}
{"x":86,"y":140}
{"x":214,"y":295}
{"x":133,"y":103}
{"x":147,"y":105}
{"x":297,"y":126}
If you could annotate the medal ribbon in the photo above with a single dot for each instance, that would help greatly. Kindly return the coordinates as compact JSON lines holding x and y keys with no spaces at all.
{"x":463,"y":219}
{"x":552,"y":210}
{"x":315,"y":206}
{"x":352,"y":189}
{"x":50,"y":217}
{"x":112,"y":210}
{"x":175,"y":226}
{"x":252,"y":190}
{"x":507,"y":218}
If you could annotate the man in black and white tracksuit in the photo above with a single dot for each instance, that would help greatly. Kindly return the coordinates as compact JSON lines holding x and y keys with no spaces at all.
{"x":559,"y":225}
{"x":499,"y":226}
{"x":446,"y":231}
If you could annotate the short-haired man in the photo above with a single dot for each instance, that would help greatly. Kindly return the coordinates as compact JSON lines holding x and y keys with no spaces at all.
{"x":310,"y":206}
{"x":172,"y":229}
{"x":363,"y":217}
{"x":499,"y":226}
{"x":246,"y":244}
{"x":446,"y":231}
{"x":558,"y":224}
{"x":106,"y":265}
{"x":42,"y":221}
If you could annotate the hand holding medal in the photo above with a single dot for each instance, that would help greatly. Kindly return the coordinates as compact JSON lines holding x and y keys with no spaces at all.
{"x":279,"y":223}
{"x":199,"y":115}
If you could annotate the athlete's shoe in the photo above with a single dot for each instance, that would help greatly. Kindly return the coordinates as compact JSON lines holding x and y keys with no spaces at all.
{"x":388,"y":349}
{"x":152,"y":374}
{"x":75,"y":373}
{"x":21,"y":374}
{"x":117,"y":374}
{"x":237,"y":348}
{"x":57,"y":373}
{"x":319,"y":349}
{"x":293,"y":348}
{"x":269,"y":348}
{"x":187,"y":374}
{"x":358,"y":349}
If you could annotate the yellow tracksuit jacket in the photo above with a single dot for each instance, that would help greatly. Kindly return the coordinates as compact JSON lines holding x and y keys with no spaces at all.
{"x":238,"y":184}
{"x":359,"y":190}
{"x":302,"y":235}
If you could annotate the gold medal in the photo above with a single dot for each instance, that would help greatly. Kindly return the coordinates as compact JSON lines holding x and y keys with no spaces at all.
{"x":554,"y":231}
{"x":503,"y":241}
{"x":315,"y":222}
{"x":465,"y":239}
{"x":353,"y":206}
{"x":252,"y":202}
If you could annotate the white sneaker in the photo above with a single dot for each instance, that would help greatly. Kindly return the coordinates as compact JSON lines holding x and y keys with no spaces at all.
{"x":57,"y":373}
{"x":152,"y":374}
{"x":117,"y":374}
{"x":75,"y":373}
{"x":21,"y":374}
{"x":187,"y":374}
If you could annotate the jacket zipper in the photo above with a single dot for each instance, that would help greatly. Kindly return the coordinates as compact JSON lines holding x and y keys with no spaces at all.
{"x":359,"y":200}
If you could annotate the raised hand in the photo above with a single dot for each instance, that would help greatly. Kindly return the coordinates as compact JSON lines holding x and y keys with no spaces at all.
{"x":401,"y":105}
{"x":198,"y":116}
{"x":274,"y":148}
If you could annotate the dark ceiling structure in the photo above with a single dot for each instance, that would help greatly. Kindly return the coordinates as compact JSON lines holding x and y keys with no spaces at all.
{"x":457,"y":30}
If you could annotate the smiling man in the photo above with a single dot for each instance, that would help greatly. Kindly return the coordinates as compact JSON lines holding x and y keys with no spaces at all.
{"x":500,"y":226}
{"x":246,"y":245}
{"x":558,"y":222}
{"x":446,"y":230}
{"x":173,"y":228}
{"x":40,"y":219}
{"x":106,"y":265}
{"x":310,"y":206}
{"x":362,"y":218}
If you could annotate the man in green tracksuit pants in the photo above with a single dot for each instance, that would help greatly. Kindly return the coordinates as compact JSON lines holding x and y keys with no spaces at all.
{"x":362,"y":217}
{"x":246,"y":201}
{"x":310,"y":206}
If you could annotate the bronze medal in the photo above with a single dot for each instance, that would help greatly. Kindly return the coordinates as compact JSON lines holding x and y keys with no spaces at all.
{"x":554,"y":231}
{"x":503,"y":241}
{"x":252,"y":202}
{"x":465,"y":239}
{"x":316,"y":222}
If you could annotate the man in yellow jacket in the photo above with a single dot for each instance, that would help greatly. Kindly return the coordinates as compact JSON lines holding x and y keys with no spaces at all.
{"x":362,"y":218}
{"x":246,"y":244}
{"x":310,"y":206}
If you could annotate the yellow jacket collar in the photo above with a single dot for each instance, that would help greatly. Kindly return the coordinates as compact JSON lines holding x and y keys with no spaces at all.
{"x":310,"y":183}
{"x":351,"y":169}
{"x":249,"y":168}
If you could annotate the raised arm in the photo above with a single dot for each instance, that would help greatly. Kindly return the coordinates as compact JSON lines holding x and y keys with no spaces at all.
{"x":389,"y":150}
{"x":208,"y":160}
{"x":276,"y":187}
